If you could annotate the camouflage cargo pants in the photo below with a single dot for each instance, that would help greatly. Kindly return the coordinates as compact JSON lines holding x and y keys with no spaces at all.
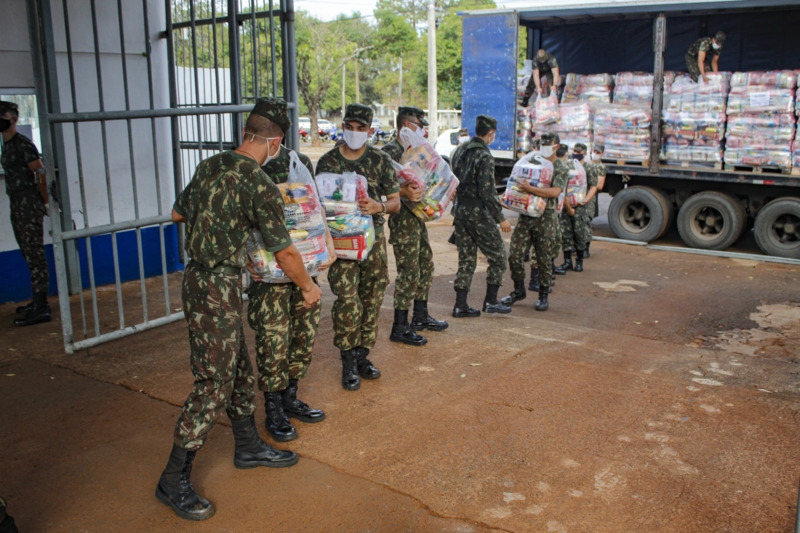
{"x":483,"y":235}
{"x":575,"y":230}
{"x":285,"y":332}
{"x":359,"y":287}
{"x":413,"y":257}
{"x":592,"y":212}
{"x":541,"y":233}
{"x":223,"y":375}
{"x":27,"y":221}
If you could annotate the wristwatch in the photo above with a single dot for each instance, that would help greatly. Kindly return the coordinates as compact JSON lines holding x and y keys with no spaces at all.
{"x":383,"y":209}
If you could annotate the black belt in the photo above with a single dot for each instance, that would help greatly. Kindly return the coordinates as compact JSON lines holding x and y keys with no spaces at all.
{"x":227,"y":270}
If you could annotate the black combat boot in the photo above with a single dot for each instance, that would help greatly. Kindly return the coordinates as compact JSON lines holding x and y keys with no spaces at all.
{"x":490,"y":303}
{"x":277,"y":422}
{"x":175,"y":489}
{"x":557,"y":269}
{"x":534,"y":283}
{"x":567,"y":264}
{"x":422,"y":320}
{"x":452,"y":238}
{"x":542,"y":304}
{"x":579,"y":261}
{"x":402,"y":332}
{"x":251,"y":451}
{"x":350,"y":379}
{"x":38,"y":312}
{"x":586,"y":252}
{"x":7,"y":524}
{"x":364,"y":366}
{"x":517,"y":294}
{"x":298,"y":409}
{"x":461,"y":309}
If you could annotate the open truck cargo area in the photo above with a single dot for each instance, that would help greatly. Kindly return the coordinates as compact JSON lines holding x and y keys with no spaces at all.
{"x":712,"y":204}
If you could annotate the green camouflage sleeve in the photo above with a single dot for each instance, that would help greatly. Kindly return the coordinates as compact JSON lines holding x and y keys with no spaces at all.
{"x":591,"y":175}
{"x":560,"y":175}
{"x":485,"y":171}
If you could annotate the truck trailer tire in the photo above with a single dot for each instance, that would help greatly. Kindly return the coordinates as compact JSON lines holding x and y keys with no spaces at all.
{"x":711,"y":220}
{"x":639,"y":214}
{"x":777,"y":228}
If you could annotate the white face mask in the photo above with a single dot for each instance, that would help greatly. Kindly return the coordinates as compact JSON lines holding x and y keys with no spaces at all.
{"x":409,"y":137}
{"x":267,"y":140}
{"x":715,"y":46}
{"x":355,"y":140}
{"x":546,"y":151}
{"x":463,"y":139}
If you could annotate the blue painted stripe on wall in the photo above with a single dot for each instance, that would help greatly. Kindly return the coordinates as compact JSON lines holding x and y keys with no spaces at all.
{"x":16,"y":284}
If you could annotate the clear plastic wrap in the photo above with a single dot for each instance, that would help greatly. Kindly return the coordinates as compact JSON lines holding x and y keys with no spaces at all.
{"x":625,"y":131}
{"x":760,"y":99}
{"x":353,"y":235}
{"x":577,"y":184}
{"x":546,"y":109}
{"x":594,"y":88}
{"x":538,"y":172}
{"x":783,"y":79}
{"x":633,"y":88}
{"x":340,"y":193}
{"x":424,"y":166}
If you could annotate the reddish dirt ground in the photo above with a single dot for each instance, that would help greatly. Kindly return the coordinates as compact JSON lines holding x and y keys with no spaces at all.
{"x":660,"y":392}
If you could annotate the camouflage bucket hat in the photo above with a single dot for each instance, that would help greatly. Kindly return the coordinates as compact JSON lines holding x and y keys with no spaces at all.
{"x":274,"y":109}
{"x":358,"y":112}
{"x":485,"y":121}
{"x":413,"y":112}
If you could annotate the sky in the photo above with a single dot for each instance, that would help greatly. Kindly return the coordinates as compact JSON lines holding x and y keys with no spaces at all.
{"x":328,"y":9}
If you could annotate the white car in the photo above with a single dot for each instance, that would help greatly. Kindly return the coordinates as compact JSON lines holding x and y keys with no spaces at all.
{"x":324,"y":125}
{"x":446,"y":143}
{"x":304,"y":123}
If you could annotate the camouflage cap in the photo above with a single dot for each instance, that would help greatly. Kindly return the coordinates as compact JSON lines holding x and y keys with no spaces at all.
{"x":413,"y":112}
{"x":720,"y":37}
{"x":599,"y":148}
{"x":485,"y":122}
{"x":549,"y":139}
{"x":274,"y":109}
{"x":358,"y":112}
{"x":579,"y":147}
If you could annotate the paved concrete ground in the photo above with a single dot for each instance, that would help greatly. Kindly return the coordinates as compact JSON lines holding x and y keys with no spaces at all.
{"x":659,"y":393}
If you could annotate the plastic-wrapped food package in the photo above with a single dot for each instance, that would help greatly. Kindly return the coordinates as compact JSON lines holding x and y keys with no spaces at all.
{"x":546,"y":109}
{"x":538,"y":172}
{"x":782,"y":79}
{"x":353,"y":235}
{"x":304,"y":220}
{"x":796,"y":151}
{"x":633,"y":88}
{"x":774,"y":127}
{"x":625,"y":131}
{"x":574,"y":124}
{"x":577,"y":184}
{"x":684,"y":94}
{"x":760,"y":99}
{"x":340,"y":193}
{"x":594,"y":88}
{"x":422,"y":165}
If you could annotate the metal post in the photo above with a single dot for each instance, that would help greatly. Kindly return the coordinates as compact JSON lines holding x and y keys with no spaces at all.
{"x":290,"y":68}
{"x":236,"y":70}
{"x":659,"y":45}
{"x":433,"y":96}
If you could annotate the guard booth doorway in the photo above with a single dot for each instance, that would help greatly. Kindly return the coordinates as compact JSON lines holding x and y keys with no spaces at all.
{"x":131,"y":95}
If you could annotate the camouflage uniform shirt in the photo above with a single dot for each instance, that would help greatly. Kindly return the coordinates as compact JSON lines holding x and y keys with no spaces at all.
{"x":228,"y":195}
{"x":703,"y":44}
{"x":476,"y":196}
{"x":278,"y":168}
{"x":17,"y":153}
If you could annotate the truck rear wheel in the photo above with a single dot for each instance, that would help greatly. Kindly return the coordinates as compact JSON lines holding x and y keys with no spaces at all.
{"x":711,"y":220}
{"x":639,"y":214}
{"x":777,"y":228}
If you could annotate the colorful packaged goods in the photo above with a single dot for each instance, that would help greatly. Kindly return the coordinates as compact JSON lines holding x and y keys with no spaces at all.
{"x":574,"y":124}
{"x":593,"y":88}
{"x":546,"y":109}
{"x":341,"y":193}
{"x":538,"y":172}
{"x":576,"y":186}
{"x":305,"y":222}
{"x":633,"y":88}
{"x":761,"y":120}
{"x":422,"y":165}
{"x":684,"y":94}
{"x":353,"y":235}
{"x":625,"y":131}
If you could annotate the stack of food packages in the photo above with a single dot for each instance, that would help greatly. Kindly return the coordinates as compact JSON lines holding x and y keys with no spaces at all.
{"x":574,"y":124}
{"x":546,"y":110}
{"x":761,"y":119}
{"x":306,"y":226}
{"x":693,"y":121}
{"x":591,"y":88}
{"x":525,"y":118}
{"x":577,"y":184}
{"x":796,"y":144}
{"x":423,"y":166}
{"x":538,"y":172}
{"x":633,"y":88}
{"x":625,"y":131}
{"x":353,"y":233}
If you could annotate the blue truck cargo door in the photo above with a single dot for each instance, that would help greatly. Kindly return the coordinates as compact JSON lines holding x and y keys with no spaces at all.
{"x":489,"y":75}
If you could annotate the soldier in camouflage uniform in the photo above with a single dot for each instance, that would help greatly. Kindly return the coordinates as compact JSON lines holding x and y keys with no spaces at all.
{"x":477,"y":214}
{"x":284,"y":328}
{"x":596,"y":167}
{"x":359,"y":286}
{"x":541,"y":231}
{"x":26,"y":185}
{"x":544,"y":68}
{"x":228,"y":196}
{"x":703,"y":56}
{"x":412,"y":249}
{"x":575,"y":224}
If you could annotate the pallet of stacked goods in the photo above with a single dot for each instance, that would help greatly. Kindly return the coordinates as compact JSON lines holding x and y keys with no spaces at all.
{"x":594,"y":89}
{"x":693,"y":120}
{"x":625,"y":131}
{"x":633,"y":88}
{"x":525,"y":115}
{"x":574,"y":125}
{"x":761,"y":121}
